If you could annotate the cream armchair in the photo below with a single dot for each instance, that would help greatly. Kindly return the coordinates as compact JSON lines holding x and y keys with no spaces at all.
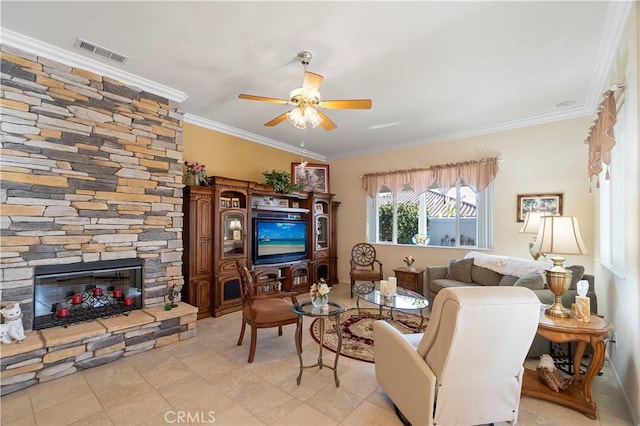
{"x":467,"y":367}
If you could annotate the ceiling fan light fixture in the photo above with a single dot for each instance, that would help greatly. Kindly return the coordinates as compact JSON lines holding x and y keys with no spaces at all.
{"x":312,"y":116}
{"x":297,"y":118}
{"x":301,"y":116}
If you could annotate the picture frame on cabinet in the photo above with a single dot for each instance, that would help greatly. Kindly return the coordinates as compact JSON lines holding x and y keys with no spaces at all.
{"x":312,"y":177}
{"x":283,"y":203}
{"x":319,"y":209}
{"x":225,"y":202}
{"x":295,"y":204}
{"x":235,"y":203}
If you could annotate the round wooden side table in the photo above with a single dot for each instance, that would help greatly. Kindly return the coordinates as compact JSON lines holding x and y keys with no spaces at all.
{"x":561,"y":330}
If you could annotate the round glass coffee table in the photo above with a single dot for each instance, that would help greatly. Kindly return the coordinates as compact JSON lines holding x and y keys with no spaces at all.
{"x":403,"y":300}
{"x":332,"y":312}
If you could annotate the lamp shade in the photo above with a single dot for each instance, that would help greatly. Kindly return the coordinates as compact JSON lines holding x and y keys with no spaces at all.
{"x":532,"y":222}
{"x":559,"y":235}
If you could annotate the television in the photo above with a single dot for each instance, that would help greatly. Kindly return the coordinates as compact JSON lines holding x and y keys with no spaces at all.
{"x":279,"y":240}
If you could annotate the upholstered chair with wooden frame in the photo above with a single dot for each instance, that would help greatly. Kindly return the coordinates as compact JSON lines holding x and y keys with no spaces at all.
{"x":467,"y":367}
{"x":364,"y":265}
{"x":263,"y":306}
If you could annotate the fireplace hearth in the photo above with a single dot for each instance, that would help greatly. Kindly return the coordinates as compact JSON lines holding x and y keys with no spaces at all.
{"x":71,"y":293}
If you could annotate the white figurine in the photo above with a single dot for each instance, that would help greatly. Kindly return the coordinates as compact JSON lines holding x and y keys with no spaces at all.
{"x":175,"y":294}
{"x":12,"y":327}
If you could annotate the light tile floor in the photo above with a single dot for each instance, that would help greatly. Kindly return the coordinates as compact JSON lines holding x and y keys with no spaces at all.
{"x":207,"y":380}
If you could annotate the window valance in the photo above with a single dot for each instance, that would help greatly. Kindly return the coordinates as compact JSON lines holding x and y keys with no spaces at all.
{"x":477,"y":174}
{"x":601,"y":137}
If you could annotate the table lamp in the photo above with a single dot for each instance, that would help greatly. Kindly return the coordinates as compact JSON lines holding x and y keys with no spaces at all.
{"x":531,"y":226}
{"x":558,"y":235}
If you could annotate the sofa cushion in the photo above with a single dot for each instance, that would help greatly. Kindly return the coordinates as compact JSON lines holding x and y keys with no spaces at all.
{"x":460,"y":270}
{"x":531,"y":281}
{"x":578,"y":273}
{"x":439,"y":284}
{"x":508,"y":280}
{"x":484,"y":276}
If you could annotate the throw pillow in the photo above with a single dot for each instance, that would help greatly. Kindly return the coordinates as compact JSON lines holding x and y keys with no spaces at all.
{"x":484,"y":276}
{"x":532,"y":282}
{"x":460,"y":270}
{"x":578,"y":273}
{"x":507,"y":280}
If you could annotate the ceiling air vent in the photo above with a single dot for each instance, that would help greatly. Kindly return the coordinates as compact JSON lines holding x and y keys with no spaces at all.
{"x":102,"y":51}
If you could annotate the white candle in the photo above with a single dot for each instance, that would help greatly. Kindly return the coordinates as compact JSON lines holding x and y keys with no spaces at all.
{"x":393,"y":286}
{"x":384,"y":287}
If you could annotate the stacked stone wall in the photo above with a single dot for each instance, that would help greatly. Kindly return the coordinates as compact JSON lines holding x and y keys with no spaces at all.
{"x":56,"y":352}
{"x":90,"y":170}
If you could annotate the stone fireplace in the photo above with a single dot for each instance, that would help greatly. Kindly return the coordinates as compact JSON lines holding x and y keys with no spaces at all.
{"x":91,"y":172}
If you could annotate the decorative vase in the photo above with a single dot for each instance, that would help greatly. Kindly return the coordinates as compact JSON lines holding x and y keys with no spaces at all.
{"x":320,"y":301}
{"x":192,"y":180}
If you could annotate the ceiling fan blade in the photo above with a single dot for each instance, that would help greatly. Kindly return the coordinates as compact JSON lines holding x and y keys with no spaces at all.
{"x":263,"y":99}
{"x":326,"y":123}
{"x":311,"y":81}
{"x":279,"y":119}
{"x":347,"y":104}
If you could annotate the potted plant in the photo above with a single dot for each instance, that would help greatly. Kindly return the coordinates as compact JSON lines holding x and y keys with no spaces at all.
{"x":281,"y":181}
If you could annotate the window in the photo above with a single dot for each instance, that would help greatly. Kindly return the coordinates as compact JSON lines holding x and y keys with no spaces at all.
{"x":458,"y":218}
{"x":612,"y":196}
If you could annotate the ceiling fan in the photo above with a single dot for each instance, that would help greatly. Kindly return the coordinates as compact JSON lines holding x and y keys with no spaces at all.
{"x":307,"y":99}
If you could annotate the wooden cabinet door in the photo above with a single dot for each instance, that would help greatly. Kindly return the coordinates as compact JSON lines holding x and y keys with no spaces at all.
{"x":203,"y":236}
{"x":200,"y":296}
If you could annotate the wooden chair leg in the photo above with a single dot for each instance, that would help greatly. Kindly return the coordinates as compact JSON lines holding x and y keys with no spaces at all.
{"x":244,"y":324}
{"x":352,"y":282}
{"x":280,"y":331}
{"x":252,"y":348}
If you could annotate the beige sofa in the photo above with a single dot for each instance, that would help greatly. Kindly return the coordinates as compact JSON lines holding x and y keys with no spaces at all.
{"x":479,"y":269}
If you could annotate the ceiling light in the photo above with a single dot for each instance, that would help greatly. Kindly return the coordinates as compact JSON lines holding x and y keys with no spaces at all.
{"x":296,"y":117}
{"x":302,"y":115}
{"x":566,"y":104}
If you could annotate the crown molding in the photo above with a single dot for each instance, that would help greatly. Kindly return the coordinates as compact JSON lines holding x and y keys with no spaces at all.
{"x":252,"y":137}
{"x":478,"y":131}
{"x":617,"y":15}
{"x":66,"y":57}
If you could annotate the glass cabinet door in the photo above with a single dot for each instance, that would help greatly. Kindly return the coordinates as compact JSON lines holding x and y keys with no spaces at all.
{"x":322,"y":232}
{"x":233,"y":229}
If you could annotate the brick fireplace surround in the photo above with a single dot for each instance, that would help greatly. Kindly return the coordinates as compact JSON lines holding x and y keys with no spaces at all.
{"x":91,"y":170}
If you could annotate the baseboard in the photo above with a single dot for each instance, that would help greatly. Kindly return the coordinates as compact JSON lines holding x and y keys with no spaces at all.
{"x":625,"y":397}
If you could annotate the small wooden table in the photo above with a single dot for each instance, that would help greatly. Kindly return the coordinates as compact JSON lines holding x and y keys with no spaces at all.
{"x":561,"y":330}
{"x":410,"y":278}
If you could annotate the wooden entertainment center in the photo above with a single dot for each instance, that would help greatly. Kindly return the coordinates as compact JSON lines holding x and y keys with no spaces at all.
{"x":218,"y":230}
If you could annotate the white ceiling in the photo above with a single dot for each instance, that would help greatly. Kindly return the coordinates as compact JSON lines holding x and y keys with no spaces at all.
{"x":434,"y":70}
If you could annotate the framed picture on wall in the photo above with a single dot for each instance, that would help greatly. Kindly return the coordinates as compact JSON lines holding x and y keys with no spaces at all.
{"x":313,"y":177}
{"x":547,"y":203}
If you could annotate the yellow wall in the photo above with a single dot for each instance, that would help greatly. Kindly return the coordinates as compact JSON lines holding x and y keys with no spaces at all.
{"x":232,"y":157}
{"x":548,"y":158}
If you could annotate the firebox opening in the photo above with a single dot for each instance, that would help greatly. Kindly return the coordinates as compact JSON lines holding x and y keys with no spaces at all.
{"x":70,"y":293}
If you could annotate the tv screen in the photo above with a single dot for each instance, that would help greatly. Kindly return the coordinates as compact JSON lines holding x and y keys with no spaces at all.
{"x":279,"y":240}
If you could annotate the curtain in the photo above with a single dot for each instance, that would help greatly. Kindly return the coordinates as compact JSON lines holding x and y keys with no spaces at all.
{"x":601,"y":137}
{"x":477,"y":174}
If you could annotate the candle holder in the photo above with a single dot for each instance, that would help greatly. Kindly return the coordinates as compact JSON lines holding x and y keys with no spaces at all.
{"x":91,"y":304}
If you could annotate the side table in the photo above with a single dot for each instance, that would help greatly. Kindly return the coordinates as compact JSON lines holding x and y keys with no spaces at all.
{"x":561,"y":330}
{"x":410,"y":278}
{"x":308,"y":310}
